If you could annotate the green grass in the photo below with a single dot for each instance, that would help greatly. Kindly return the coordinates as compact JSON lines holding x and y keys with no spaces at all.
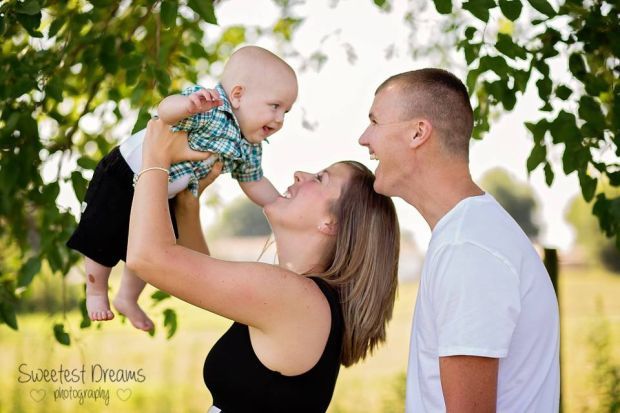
{"x":173,"y":368}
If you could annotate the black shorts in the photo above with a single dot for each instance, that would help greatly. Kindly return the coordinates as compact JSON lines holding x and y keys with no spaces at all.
{"x":102,"y":232}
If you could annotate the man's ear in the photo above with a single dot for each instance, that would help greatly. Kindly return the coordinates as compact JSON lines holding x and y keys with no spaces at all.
{"x":328,"y":228}
{"x":420,"y":133}
{"x":236,"y":94}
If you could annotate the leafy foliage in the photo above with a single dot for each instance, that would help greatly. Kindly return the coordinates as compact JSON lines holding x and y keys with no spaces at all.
{"x":580,"y":103}
{"x":70,"y":64}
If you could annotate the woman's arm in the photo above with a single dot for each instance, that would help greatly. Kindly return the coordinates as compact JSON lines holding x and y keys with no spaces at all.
{"x":256,"y":294}
{"x":187,"y":213}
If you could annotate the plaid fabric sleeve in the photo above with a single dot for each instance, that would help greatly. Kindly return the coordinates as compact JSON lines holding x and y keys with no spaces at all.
{"x":251,"y":170}
{"x":196,"y":121}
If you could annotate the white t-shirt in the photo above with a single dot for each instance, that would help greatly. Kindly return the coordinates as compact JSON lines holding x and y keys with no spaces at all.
{"x":131,"y":150}
{"x":485,"y":292}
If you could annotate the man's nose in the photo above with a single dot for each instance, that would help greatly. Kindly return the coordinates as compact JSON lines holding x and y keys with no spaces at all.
{"x":363,"y":140}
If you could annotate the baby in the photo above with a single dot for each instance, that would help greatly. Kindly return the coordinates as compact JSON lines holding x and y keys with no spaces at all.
{"x":257,"y":89}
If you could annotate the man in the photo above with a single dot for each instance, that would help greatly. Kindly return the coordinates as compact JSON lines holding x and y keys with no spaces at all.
{"x":485,"y":333}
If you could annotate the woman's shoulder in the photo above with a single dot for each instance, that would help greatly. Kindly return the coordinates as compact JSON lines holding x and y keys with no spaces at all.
{"x":331,"y":294}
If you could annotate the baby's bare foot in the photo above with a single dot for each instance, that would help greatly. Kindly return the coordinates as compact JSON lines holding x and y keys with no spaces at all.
{"x":98,"y":307}
{"x":130,"y":309}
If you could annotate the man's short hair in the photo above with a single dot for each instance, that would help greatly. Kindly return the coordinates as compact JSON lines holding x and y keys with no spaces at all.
{"x":440,"y":97}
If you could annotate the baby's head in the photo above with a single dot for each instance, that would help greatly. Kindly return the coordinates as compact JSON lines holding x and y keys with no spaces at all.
{"x":261,"y":88}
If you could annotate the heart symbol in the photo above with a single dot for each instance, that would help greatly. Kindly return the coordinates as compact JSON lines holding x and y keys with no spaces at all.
{"x":123,"y":394}
{"x":37,"y":395}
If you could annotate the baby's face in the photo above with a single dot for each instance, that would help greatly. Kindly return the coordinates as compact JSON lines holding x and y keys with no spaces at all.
{"x":262,"y":107}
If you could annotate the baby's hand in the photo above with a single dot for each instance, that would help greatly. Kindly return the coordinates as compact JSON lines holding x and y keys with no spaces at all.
{"x":203,"y":100}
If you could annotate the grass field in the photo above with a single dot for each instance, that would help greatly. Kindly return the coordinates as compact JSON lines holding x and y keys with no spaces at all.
{"x":172,"y":370}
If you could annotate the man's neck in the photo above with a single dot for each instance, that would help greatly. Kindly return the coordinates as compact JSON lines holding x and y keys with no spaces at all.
{"x":439,"y":190}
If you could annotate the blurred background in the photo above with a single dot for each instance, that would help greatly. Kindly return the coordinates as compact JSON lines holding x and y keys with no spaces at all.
{"x":80,"y":76}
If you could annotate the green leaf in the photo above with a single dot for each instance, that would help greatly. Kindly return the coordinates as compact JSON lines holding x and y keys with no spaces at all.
{"x":443,"y":6}
{"x":545,"y":85}
{"x":543,"y":7}
{"x":576,"y":65}
{"x":203,"y":8}
{"x":170,"y":322}
{"x":563,"y":92}
{"x":382,"y":4}
{"x":495,"y":63}
{"x":79,"y":185}
{"x":31,"y":23}
{"x":469,"y":32}
{"x":28,"y":271}
{"x":285,"y":27}
{"x":595,"y":85}
{"x":162,"y":78}
{"x":29,"y":7}
{"x":84,"y":312}
{"x":537,"y":156}
{"x":614,"y":178}
{"x":61,"y":335}
{"x":588,"y":185}
{"x":538,"y":130}
{"x":7,"y":313}
{"x":159,"y":296}
{"x":549,"y":175}
{"x":143,"y":119}
{"x":54,"y":259}
{"x":472,"y":78}
{"x":521,"y":78}
{"x":54,"y":89}
{"x":479,"y":8}
{"x":506,"y":46}
{"x":564,"y":129}
{"x":590,"y":111}
{"x":169,"y":9}
{"x":471,"y":51}
{"x":108,"y":55}
{"x":87,"y":162}
{"x":55,"y":27}
{"x":511,"y":8}
{"x":131,"y":76}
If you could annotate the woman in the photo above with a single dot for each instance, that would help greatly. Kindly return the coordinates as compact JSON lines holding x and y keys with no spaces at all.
{"x":326,"y":303}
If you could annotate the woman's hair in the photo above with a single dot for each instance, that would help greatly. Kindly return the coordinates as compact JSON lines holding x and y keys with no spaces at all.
{"x":364,"y":263}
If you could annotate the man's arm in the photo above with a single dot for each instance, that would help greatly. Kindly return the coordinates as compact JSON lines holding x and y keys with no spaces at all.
{"x":261,"y":192}
{"x":469,"y":383}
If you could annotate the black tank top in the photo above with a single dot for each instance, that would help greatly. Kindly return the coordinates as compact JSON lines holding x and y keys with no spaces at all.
{"x":240,"y":383}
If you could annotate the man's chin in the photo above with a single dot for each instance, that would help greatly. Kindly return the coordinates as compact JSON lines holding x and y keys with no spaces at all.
{"x":380,"y":188}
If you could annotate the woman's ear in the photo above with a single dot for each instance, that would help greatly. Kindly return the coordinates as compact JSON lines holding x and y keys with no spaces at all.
{"x":236,"y":94}
{"x":328,"y":228}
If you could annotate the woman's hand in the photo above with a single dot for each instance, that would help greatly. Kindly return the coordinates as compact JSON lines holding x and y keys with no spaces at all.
{"x":162,"y":147}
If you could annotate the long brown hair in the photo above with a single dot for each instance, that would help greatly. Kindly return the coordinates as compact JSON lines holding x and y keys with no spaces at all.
{"x":364,"y":263}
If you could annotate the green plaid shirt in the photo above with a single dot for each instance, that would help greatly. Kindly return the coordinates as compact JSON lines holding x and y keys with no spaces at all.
{"x":217,"y":131}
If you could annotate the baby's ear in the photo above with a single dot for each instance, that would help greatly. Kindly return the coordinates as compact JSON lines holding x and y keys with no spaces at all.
{"x":236,"y":94}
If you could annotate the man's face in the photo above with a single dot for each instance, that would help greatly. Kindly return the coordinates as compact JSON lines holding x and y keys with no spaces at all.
{"x":387,"y":138}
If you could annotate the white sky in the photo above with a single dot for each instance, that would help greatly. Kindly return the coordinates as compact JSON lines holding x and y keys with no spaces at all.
{"x":339,"y":96}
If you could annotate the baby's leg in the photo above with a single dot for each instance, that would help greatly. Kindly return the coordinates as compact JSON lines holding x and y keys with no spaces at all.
{"x":126,"y":301}
{"x":97,"y":303}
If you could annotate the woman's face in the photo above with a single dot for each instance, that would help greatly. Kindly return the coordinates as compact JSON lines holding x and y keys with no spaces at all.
{"x":307,"y":202}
